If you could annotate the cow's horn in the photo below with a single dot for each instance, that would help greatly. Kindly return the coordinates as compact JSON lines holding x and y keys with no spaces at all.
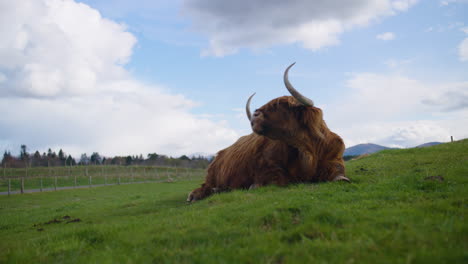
{"x":302,"y":99}
{"x":247,"y":107}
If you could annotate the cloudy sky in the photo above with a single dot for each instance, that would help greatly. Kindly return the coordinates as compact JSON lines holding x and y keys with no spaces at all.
{"x":172,"y":76}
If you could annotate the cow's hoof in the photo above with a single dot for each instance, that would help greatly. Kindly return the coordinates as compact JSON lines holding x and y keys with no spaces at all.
{"x":341,"y":178}
{"x":190,"y":197}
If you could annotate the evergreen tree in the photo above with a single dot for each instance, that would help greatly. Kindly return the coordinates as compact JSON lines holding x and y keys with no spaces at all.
{"x":70,"y":161}
{"x":6,"y":158}
{"x":61,"y":155}
{"x":84,"y":160}
{"x":24,"y":155}
{"x":128,"y":160}
{"x":95,"y":158}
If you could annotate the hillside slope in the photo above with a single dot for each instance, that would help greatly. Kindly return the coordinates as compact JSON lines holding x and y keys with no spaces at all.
{"x":428,"y":144}
{"x":403,"y":206}
{"x":361,"y":149}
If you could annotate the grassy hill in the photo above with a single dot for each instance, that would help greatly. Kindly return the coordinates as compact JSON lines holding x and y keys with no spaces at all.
{"x":361,"y":149}
{"x":404,"y":206}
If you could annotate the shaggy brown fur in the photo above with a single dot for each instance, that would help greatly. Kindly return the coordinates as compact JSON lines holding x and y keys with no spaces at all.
{"x":291,"y":144}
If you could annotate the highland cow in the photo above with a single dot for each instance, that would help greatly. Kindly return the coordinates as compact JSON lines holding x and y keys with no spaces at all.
{"x":291,"y":144}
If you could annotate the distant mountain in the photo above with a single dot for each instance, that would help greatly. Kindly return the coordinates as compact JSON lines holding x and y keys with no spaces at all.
{"x":372,"y":148}
{"x":428,"y":144}
{"x":363,"y":149}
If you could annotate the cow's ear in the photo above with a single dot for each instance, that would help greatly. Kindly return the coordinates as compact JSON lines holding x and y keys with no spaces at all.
{"x":312,"y":119}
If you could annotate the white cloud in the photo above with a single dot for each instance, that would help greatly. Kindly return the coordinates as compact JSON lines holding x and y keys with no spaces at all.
{"x":57,"y":48}
{"x":448,"y":2}
{"x":463,"y":50}
{"x":396,"y":63}
{"x":142,"y":120}
{"x":429,"y":29}
{"x":257,"y":24}
{"x":3,"y":78}
{"x":463,"y":46}
{"x":386,"y":36}
{"x":403,"y":5}
{"x":401,"y":134}
{"x":62,"y":75}
{"x":399,"y":111}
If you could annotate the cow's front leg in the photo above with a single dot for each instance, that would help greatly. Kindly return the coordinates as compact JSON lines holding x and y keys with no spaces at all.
{"x":333,"y":170}
{"x":200,"y":193}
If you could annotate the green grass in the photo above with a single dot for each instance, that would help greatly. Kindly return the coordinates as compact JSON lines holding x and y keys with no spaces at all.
{"x":99,"y":175}
{"x":390,"y":214}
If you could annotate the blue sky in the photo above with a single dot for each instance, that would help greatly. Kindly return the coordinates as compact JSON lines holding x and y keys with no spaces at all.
{"x":172,"y":77}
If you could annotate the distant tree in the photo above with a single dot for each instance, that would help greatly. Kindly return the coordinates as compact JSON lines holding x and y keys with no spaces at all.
{"x":128,"y":160}
{"x":349,"y":157}
{"x":7,"y":158}
{"x":36,"y":159}
{"x":51,"y":154}
{"x":153,"y":156}
{"x":183,"y":157}
{"x":96,"y":158}
{"x":117,"y":160}
{"x":61,"y":155}
{"x":84,"y":160}
{"x":24,"y":155}
{"x":70,"y":161}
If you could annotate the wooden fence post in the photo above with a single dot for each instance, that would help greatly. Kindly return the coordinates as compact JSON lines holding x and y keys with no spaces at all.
{"x":9,"y":186}
{"x":51,"y":171}
{"x":48,"y":167}
{"x":118,"y":179}
{"x":41,"y":184}
{"x":74,"y":176}
{"x":22,"y":180}
{"x":451,"y":138}
{"x":88,"y":175}
{"x":169,"y":178}
{"x":131,"y":174}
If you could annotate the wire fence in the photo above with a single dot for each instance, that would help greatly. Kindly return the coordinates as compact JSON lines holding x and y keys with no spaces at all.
{"x":38,"y":179}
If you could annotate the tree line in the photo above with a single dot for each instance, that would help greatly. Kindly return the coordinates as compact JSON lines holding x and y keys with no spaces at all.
{"x":52,"y":158}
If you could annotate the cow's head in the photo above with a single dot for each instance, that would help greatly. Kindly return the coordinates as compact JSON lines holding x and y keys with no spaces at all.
{"x":289,"y":118}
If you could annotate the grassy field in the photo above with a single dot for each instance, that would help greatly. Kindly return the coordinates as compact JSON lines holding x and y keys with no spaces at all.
{"x":84,"y":175}
{"x":404,"y":206}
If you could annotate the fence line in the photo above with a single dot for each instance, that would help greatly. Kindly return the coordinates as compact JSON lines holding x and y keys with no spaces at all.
{"x":57,"y":178}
